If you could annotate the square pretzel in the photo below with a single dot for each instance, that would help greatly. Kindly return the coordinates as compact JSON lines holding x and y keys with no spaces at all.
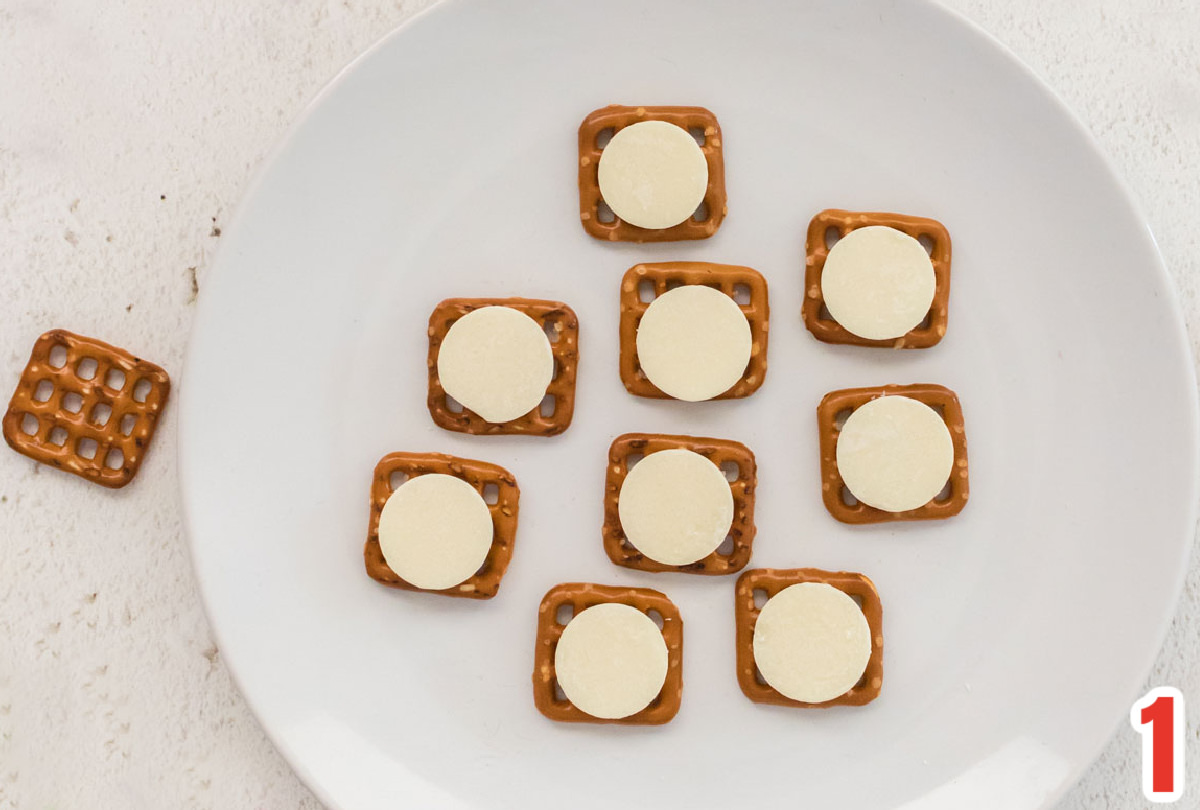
{"x":834,"y":490}
{"x":614,"y":118}
{"x":479,"y":474}
{"x":97,"y":427}
{"x":720,"y":452}
{"x":769,"y":582}
{"x":562,"y":328}
{"x":580,"y":596}
{"x":733,"y":280}
{"x":929,"y":231}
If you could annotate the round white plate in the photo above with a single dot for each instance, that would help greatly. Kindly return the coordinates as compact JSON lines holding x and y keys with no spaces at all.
{"x":443,"y":164}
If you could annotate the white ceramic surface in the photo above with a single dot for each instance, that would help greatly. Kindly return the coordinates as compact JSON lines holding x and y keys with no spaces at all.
{"x":1017,"y":632}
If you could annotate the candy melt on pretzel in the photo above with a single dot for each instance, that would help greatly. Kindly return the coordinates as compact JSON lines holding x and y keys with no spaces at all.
{"x":611,"y":661}
{"x":653,"y":174}
{"x":878,"y":282}
{"x":435,"y":531}
{"x":895,"y":453}
{"x":693,"y":342}
{"x":812,"y":642}
{"x":675,"y":506}
{"x":497,"y":362}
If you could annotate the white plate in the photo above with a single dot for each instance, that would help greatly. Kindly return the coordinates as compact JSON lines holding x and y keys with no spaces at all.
{"x":443,"y":164}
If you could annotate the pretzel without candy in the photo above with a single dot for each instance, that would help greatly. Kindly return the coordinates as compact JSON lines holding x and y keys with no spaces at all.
{"x":562,"y":328}
{"x":580,"y":596}
{"x":615,"y":118}
{"x":484,"y":583}
{"x":772,"y":581}
{"x":719,"y":452}
{"x":97,"y":427}
{"x":663,"y":276}
{"x":834,"y":489}
{"x":817,"y":318}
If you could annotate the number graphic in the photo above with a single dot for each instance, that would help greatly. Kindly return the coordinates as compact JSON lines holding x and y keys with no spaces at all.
{"x":1159,"y":718}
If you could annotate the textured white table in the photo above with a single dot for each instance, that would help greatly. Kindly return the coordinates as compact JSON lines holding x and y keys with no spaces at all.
{"x":128,"y":132}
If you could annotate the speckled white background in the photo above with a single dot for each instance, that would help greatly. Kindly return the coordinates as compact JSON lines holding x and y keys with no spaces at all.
{"x":128,"y":131}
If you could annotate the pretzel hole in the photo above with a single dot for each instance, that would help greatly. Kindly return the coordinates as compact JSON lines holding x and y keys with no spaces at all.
{"x":632,"y":459}
{"x":114,"y":459}
{"x":741,"y":294}
{"x":397,"y":479}
{"x":559,"y":695}
{"x":701,"y":213}
{"x":732,"y":470}
{"x":127,"y":423}
{"x":58,"y":356}
{"x":604,"y":213}
{"x":823,"y":314}
{"x":760,"y":598}
{"x":86,"y":448}
{"x":758,"y":677}
{"x":944,"y":495}
{"x":604,"y":136}
{"x":927,"y":242}
{"x":43,"y":391}
{"x":565,"y":612}
{"x":626,"y":545}
{"x":656,"y":617}
{"x":29,"y":424}
{"x":698,"y":134}
{"x":453,"y":405}
{"x":100,"y":414}
{"x":726,"y":547}
{"x":58,"y":436}
{"x":941,"y":409}
{"x":86,"y":369}
{"x":858,"y":600}
{"x":72,"y":402}
{"x":553,"y":330}
{"x":141,"y":390}
{"x":646,"y":292}
{"x":833,"y":235}
{"x":839,"y":418}
{"x":848,"y":497}
{"x":491,"y":494}
{"x":672,"y":284}
{"x":115,"y":379}
{"x":548,"y":406}
{"x":926,"y":322}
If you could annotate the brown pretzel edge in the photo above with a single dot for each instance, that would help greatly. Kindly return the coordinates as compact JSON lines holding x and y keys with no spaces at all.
{"x":54,"y":418}
{"x":486,"y":582}
{"x":552,"y":315}
{"x":773,"y":581}
{"x":616,"y":117}
{"x":816,"y":317}
{"x":668,"y":275}
{"x":581,"y":596}
{"x":718,"y":451}
{"x":939,"y":398}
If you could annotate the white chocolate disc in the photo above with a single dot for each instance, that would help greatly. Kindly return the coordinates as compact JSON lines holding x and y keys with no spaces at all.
{"x":693,"y":342}
{"x":675,"y":506}
{"x":653,"y":174}
{"x":812,"y":642}
{"x":496,"y":362}
{"x":878,"y":282}
{"x":895,"y":453}
{"x":611,"y":661}
{"x":435,"y":531}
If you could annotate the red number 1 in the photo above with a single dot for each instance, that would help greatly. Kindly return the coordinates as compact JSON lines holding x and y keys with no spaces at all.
{"x":1159,"y":718}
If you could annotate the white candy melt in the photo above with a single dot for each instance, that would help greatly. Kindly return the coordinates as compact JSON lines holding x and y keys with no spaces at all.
{"x":693,"y":342}
{"x":878,"y":282}
{"x":895,"y":453}
{"x":611,"y":661}
{"x":435,"y":531}
{"x":812,"y":642}
{"x":675,"y":506}
{"x":653,"y":174}
{"x":496,"y":362}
